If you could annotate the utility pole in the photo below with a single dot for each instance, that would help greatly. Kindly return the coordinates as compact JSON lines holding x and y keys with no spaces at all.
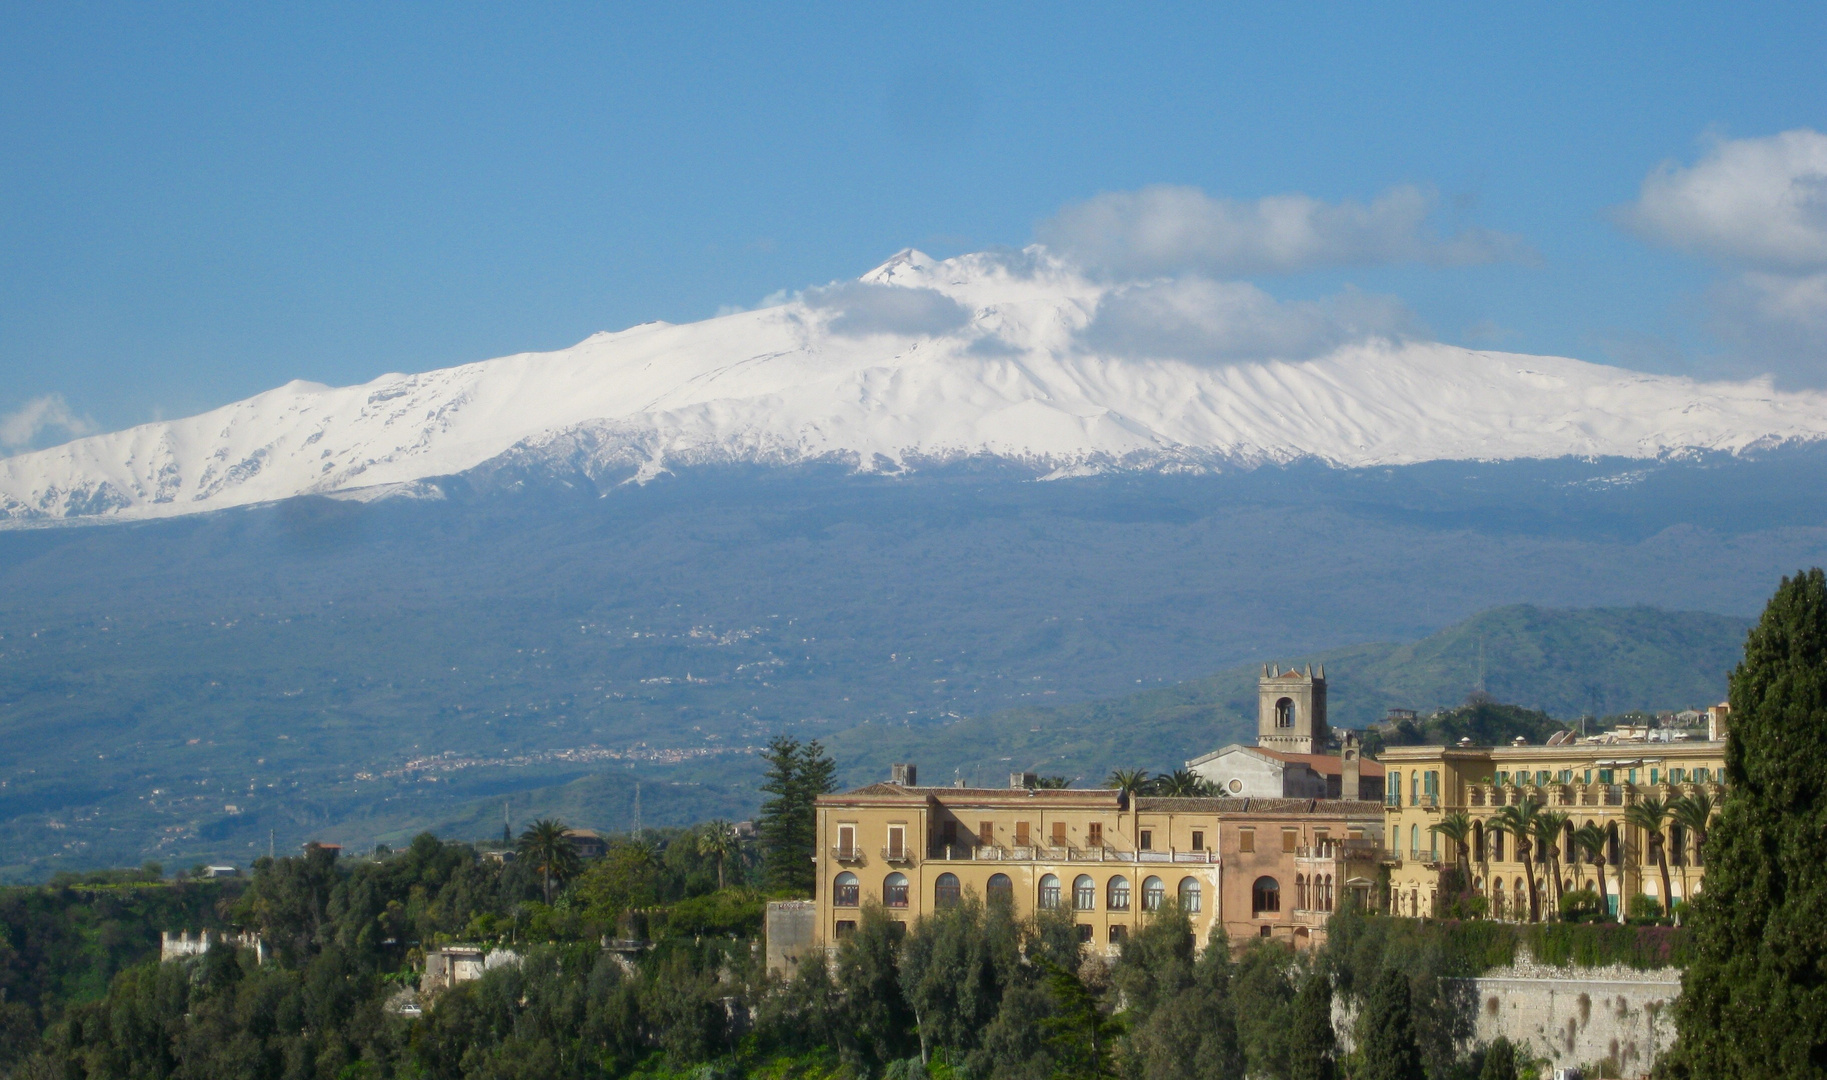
{"x":269,"y":843}
{"x":507,"y":828}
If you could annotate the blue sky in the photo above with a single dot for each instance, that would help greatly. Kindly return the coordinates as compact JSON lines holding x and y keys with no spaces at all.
{"x":201,"y":202}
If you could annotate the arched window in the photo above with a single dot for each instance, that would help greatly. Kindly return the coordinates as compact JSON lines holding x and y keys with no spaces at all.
{"x":1084,"y":893}
{"x":1189,"y":895}
{"x":1118,"y":899}
{"x":845,"y":892}
{"x":1477,"y":841}
{"x":1049,"y":892}
{"x":1521,"y":892}
{"x":1614,"y":849}
{"x":1265,"y":895}
{"x":1497,"y":845}
{"x":1153,"y":894}
{"x":1331,"y":897}
{"x":946,"y":891}
{"x":1414,"y":841}
{"x":894,"y":890}
{"x":1284,"y":713}
{"x":1677,"y":846}
{"x":1000,"y":890}
{"x":1300,"y":892}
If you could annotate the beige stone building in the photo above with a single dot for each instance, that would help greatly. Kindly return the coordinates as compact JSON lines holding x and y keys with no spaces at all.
{"x":1262,"y":866}
{"x":1588,"y":779}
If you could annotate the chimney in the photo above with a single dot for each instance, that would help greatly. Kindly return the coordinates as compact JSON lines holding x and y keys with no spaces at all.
{"x":903,"y":774}
{"x":1021,"y":780}
{"x":1349,"y":765}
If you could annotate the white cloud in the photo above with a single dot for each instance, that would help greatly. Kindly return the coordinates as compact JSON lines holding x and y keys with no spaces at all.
{"x":1166,"y":229}
{"x":1758,"y":207}
{"x":22,"y":427}
{"x":863,"y":308}
{"x":1759,"y":202}
{"x":1204,"y":321}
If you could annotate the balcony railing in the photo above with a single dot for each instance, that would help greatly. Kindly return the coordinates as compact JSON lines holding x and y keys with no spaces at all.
{"x":993,"y":853}
{"x":896,"y":855}
{"x":847,"y":854}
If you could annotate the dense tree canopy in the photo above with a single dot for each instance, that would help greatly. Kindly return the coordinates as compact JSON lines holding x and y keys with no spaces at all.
{"x":1754,"y":1001}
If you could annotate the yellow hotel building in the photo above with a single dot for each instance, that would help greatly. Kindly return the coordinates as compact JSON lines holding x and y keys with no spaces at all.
{"x":1264,"y":867}
{"x":1589,"y":780}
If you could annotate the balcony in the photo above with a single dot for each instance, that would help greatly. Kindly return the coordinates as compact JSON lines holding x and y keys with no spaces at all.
{"x":899,"y":856}
{"x":993,"y":853}
{"x":851,"y":854}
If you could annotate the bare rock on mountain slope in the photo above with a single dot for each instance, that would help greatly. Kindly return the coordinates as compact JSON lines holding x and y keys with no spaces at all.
{"x":988,"y":355}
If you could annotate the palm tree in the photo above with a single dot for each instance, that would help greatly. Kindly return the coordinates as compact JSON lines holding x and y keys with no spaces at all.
{"x":1589,"y":840}
{"x":1457,"y":827}
{"x":1182,"y":783}
{"x":1695,"y":814}
{"x":1549,"y":824}
{"x":547,"y":846}
{"x":1649,"y":813}
{"x":1051,"y":783}
{"x":1128,"y":781}
{"x":1518,"y":819}
{"x":717,"y":840}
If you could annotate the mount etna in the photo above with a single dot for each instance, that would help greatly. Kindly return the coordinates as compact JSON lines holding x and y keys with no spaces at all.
{"x":953,"y":510}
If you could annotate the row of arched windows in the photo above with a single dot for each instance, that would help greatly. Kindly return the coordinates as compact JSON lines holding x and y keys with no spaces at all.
{"x":846,"y":891}
{"x":1314,"y":893}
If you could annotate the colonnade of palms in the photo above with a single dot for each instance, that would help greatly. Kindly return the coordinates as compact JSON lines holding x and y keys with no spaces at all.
{"x":1543,"y":836}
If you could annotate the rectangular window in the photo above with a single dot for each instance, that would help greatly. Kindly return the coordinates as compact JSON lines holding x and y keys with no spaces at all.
{"x":1675,"y":775}
{"x":845,"y":927}
{"x":1503,"y":778}
{"x":897,"y":841}
{"x":1021,"y":834}
{"x":1414,"y":789}
{"x":986,"y":833}
{"x":1059,"y":834}
{"x":1566,"y":776}
{"x":1654,"y":775}
{"x":1395,"y":789}
{"x":1198,"y":840}
{"x":1094,"y":834}
{"x":1117,"y":933}
{"x":1605,"y":776}
{"x":846,"y":841}
{"x":1290,"y":839}
{"x":1246,"y":841}
{"x":1589,"y":776}
{"x":1433,"y":782}
{"x":1633,"y":776}
{"x":1084,"y":934}
{"x":1147,"y":840}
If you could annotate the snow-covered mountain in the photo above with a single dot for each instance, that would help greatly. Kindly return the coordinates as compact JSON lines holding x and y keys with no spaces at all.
{"x":917,"y":362}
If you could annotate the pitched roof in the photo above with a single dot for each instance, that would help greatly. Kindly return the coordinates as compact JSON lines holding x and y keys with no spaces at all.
{"x":1349,"y":808}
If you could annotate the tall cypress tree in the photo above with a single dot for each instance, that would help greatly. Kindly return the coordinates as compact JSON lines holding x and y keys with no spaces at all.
{"x":1386,"y":1031}
{"x":1754,"y":1000}
{"x":1312,"y":1046}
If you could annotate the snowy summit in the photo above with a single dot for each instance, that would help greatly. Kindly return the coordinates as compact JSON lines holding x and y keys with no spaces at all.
{"x":1016,"y":356}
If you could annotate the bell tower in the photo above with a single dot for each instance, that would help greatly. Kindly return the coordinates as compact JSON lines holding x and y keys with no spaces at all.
{"x":1291,"y":710}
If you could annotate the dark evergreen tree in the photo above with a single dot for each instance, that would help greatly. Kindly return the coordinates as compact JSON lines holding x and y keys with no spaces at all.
{"x":1754,"y":1000}
{"x":1263,"y":994}
{"x":1386,"y":1031}
{"x":1079,"y":1035}
{"x":876,"y":1025}
{"x":798,"y":773}
{"x":1499,"y":1061}
{"x":1312,"y":1046}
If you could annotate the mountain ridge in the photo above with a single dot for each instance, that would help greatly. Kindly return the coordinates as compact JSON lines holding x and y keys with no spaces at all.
{"x":918,"y":362}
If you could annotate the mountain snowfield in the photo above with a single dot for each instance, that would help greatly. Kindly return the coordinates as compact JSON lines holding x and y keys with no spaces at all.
{"x":918,"y":362}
